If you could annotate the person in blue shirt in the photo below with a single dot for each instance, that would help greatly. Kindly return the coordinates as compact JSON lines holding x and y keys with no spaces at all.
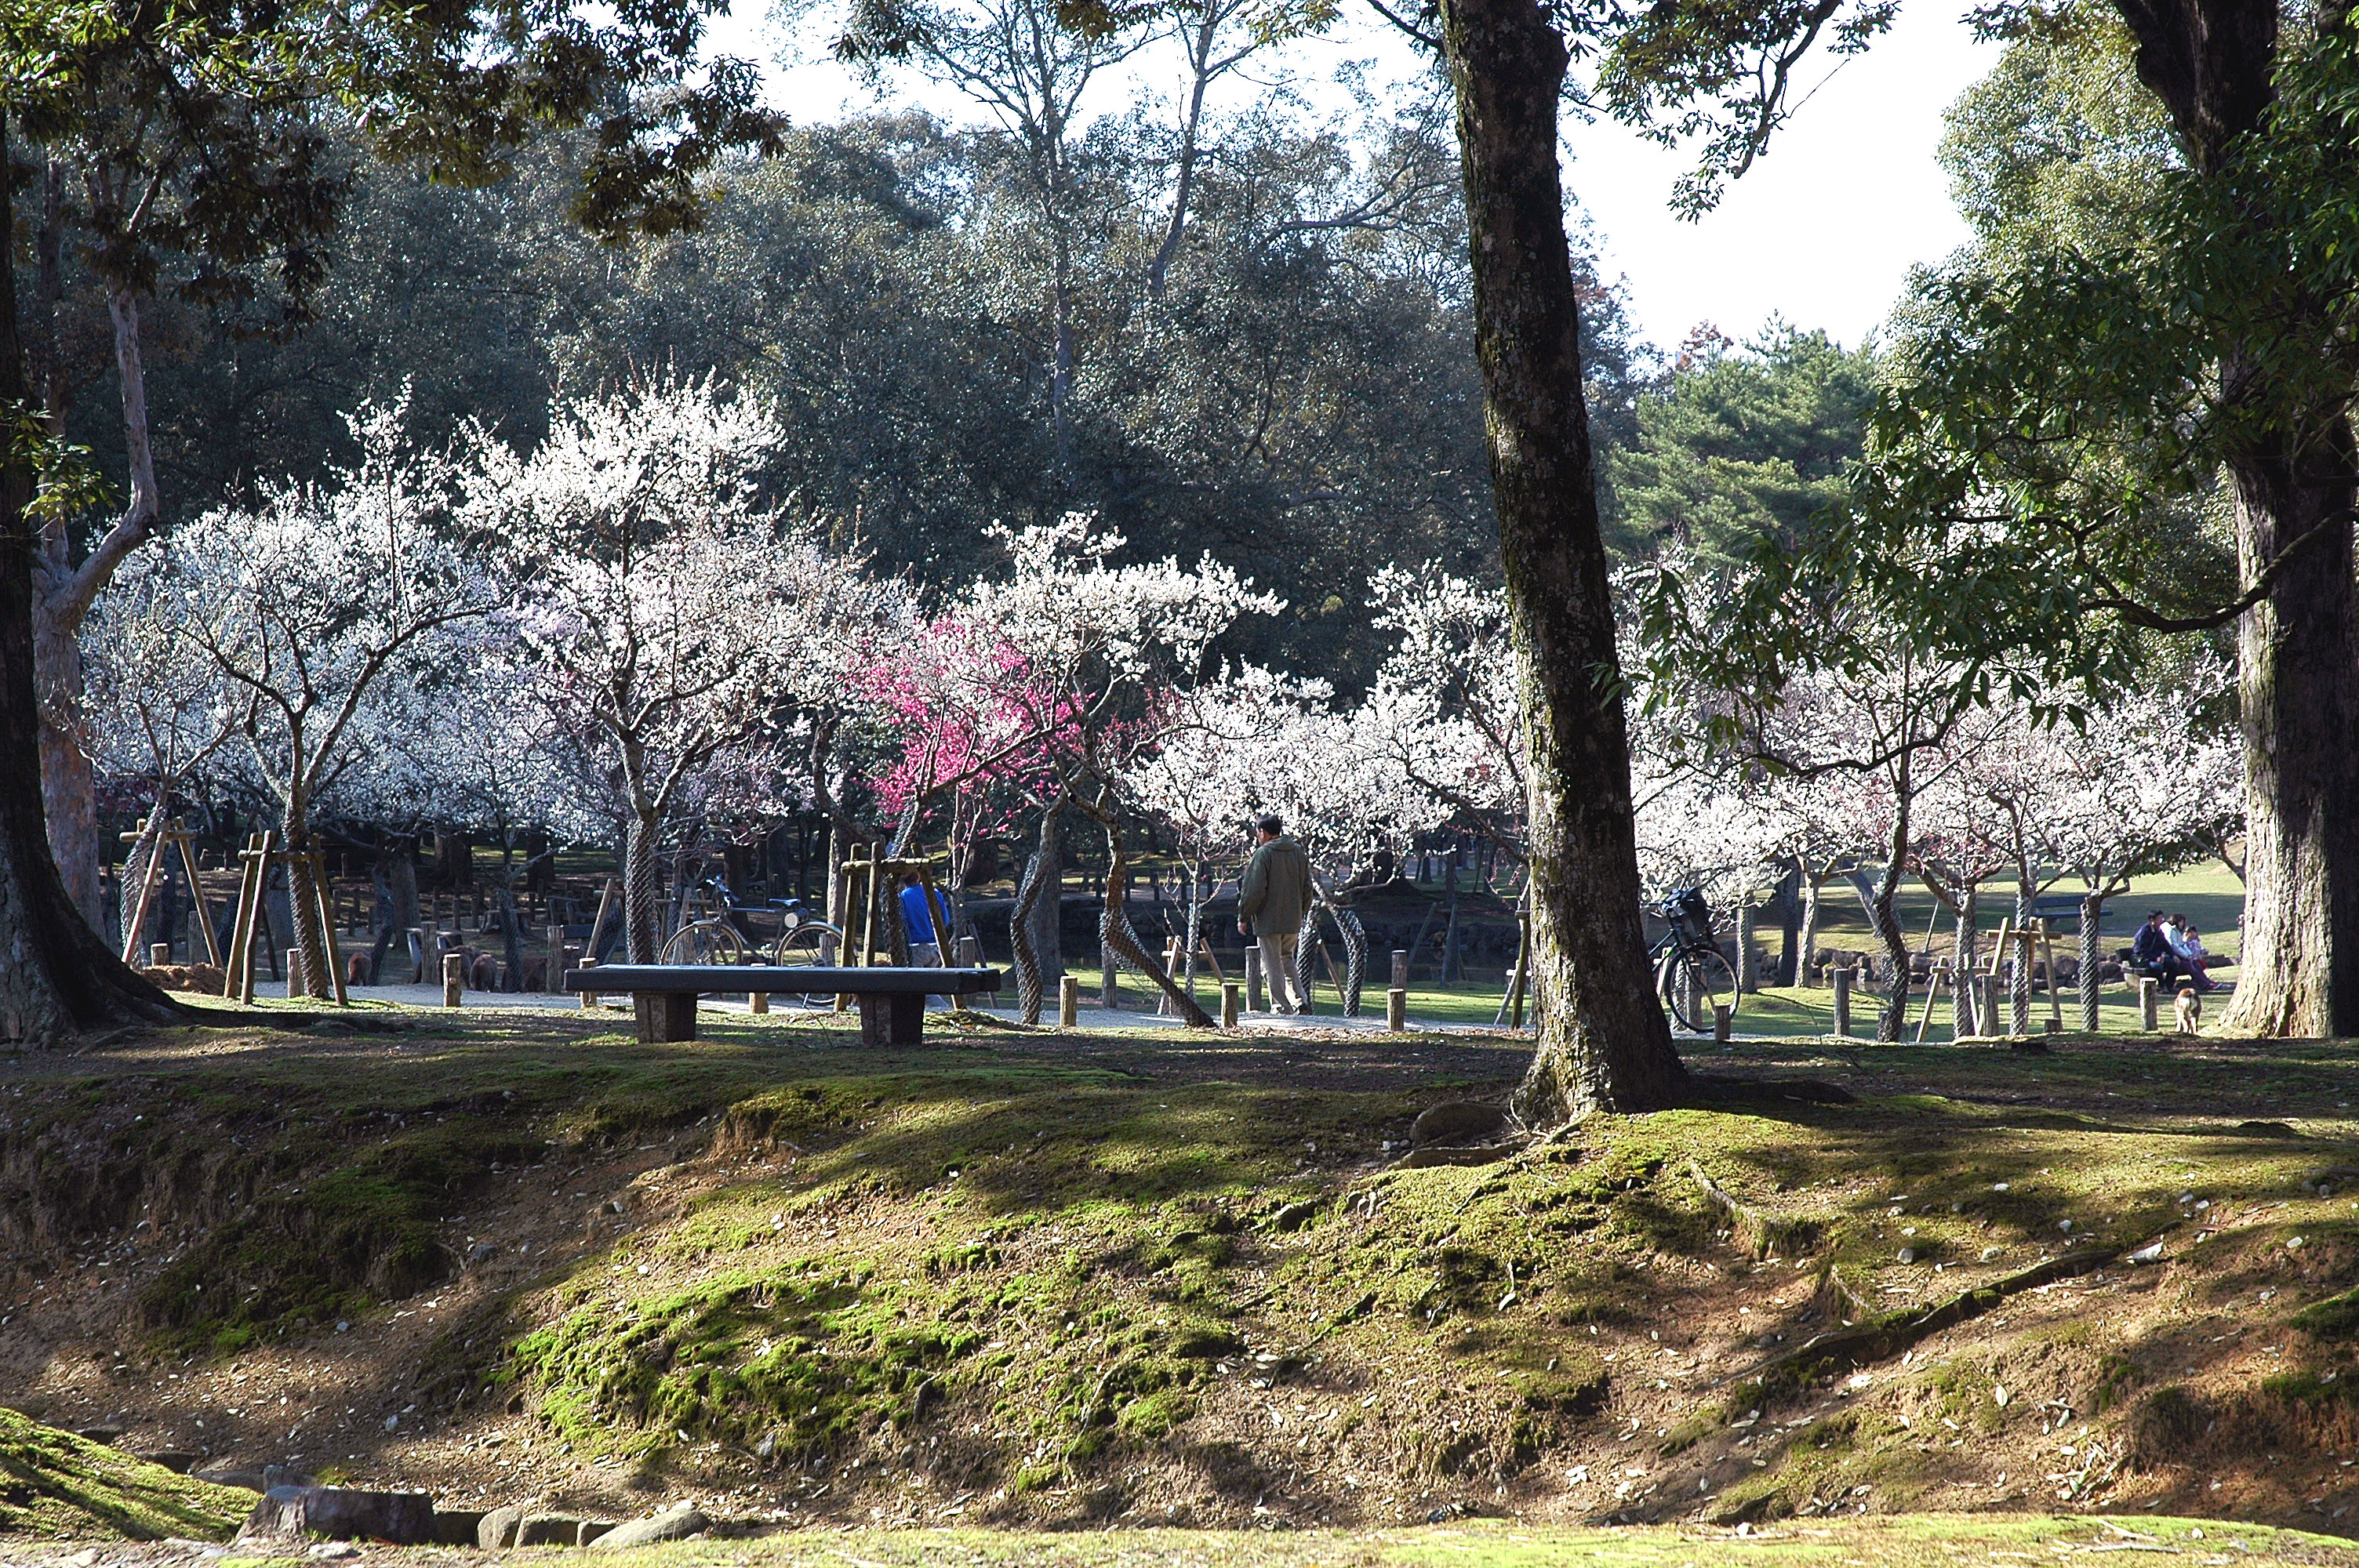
{"x":917,"y":920}
{"x":918,"y":924}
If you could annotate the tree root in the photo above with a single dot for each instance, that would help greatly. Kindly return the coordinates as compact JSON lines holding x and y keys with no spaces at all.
{"x":1761,"y":1234}
{"x":1845,"y":1350}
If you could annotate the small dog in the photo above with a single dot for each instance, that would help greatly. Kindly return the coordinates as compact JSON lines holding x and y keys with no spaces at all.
{"x":2190,"y":1009}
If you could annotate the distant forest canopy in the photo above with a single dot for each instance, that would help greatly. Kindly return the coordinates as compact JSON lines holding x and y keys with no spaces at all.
{"x":1298,"y":397}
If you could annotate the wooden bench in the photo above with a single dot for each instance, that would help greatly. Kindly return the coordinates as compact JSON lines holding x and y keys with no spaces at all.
{"x":892,"y":1000}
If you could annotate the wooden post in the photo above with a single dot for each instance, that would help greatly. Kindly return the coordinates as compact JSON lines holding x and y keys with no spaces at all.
{"x":197,"y":900}
{"x":1721,"y":1013}
{"x":138,"y":920}
{"x":1843,"y":1001}
{"x":1994,"y":990}
{"x":294,"y":987}
{"x":234,"y":964}
{"x":553,"y":983}
{"x":1252,"y":978}
{"x":2055,"y":992}
{"x":1229,"y":998}
{"x":2019,"y":991}
{"x":1400,"y":968}
{"x":969,"y":952}
{"x":589,"y":997}
{"x":1397,"y":1010}
{"x":454,"y":978}
{"x":159,"y":954}
{"x":1109,"y":979}
{"x":1694,"y":974}
{"x":757,"y":1001}
{"x":322,"y":894}
{"x":598,"y":926}
{"x":873,"y":902}
{"x":258,"y":862}
{"x":1068,"y":1001}
{"x":2149,"y":998}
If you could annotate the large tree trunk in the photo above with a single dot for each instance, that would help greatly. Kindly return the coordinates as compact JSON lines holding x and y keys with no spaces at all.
{"x":2298,"y":658}
{"x":2213,"y":65}
{"x":1604,"y":1042}
{"x":57,"y":977}
{"x":64,"y":594}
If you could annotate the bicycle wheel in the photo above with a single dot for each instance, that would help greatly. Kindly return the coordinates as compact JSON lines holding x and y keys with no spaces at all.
{"x":1694,"y":982}
{"x":813,"y":946}
{"x":704,"y":942}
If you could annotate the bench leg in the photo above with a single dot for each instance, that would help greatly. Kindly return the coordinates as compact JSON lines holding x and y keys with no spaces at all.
{"x":892,"y":1019}
{"x":665,"y":1016}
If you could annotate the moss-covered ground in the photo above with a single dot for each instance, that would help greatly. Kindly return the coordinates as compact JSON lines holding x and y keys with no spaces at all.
{"x":1163,"y":1278}
{"x":53,"y":1484}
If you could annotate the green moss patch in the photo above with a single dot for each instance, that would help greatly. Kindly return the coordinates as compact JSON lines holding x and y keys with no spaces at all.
{"x":55,"y":1484}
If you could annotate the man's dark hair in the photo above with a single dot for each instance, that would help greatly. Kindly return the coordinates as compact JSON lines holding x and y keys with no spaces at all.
{"x":2154,"y":914}
{"x":1271,"y":826}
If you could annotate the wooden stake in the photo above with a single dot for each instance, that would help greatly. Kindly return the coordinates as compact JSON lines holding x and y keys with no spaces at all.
{"x":2055,"y":992}
{"x":598,"y":926}
{"x":197,"y":896}
{"x":238,"y":982}
{"x":138,"y":922}
{"x":328,"y":926}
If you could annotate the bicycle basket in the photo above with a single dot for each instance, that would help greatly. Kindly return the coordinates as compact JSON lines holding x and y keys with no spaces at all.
{"x":1687,"y":910}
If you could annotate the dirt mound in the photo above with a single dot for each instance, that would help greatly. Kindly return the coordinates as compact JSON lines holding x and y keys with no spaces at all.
{"x":1166,"y":1279}
{"x":202,"y":980}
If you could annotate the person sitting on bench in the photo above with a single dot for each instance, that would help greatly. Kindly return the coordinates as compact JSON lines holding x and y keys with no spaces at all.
{"x":2187,"y":943}
{"x":2151,"y":952}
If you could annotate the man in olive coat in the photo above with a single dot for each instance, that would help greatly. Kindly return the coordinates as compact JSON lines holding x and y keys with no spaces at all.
{"x":1272,"y":899}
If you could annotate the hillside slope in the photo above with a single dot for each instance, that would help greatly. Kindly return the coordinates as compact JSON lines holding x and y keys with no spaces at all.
{"x":1047,"y":1279}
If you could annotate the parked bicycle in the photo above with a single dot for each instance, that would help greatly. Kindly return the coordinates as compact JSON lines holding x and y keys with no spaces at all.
{"x":720,"y":934}
{"x":1692,"y":976}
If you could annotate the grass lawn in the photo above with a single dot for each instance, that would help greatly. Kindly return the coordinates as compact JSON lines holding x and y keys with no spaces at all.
{"x":2208,"y":893}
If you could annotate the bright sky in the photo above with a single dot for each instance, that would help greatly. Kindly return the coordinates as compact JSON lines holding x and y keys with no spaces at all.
{"x":1822,"y":231}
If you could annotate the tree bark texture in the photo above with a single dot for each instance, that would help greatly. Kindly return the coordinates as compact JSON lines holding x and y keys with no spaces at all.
{"x":2297,"y":678}
{"x":640,"y":917}
{"x":2093,"y":910}
{"x":2212,"y":63}
{"x":1045,"y":922}
{"x":64,"y":592}
{"x":1604,"y":1042}
{"x":1962,"y":946}
{"x":1812,"y":886}
{"x":57,"y":977}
